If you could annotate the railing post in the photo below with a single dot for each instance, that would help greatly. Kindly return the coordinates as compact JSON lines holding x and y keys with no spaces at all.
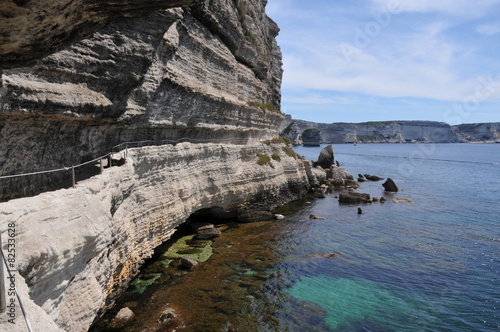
{"x":3,"y":306}
{"x":109,"y":160}
{"x":73,"y":179}
{"x":100,"y":165}
{"x":126,"y":149}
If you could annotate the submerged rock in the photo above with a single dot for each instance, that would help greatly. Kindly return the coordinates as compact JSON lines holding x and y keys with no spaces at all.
{"x":189,"y":263}
{"x":251,"y":216}
{"x":167,"y":315}
{"x":350,"y":197}
{"x":390,"y":185}
{"x":123,"y":318}
{"x":206,"y":231}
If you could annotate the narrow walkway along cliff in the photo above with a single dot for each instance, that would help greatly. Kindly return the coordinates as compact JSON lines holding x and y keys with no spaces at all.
{"x":211,"y":71}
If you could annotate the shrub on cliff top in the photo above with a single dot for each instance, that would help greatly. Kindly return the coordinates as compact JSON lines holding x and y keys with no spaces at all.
{"x":264,"y":106}
{"x":264,"y":160}
{"x":289,"y":152}
{"x":278,"y":140}
{"x":308,"y":130}
{"x":276,"y":157}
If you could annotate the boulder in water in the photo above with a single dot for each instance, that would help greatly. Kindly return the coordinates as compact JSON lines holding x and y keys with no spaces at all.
{"x":167,"y":315}
{"x":373,"y":177}
{"x":315,"y":217}
{"x":350,"y":197}
{"x":123,"y":318}
{"x":390,"y":185}
{"x":206,"y":231}
{"x":326,"y":157}
{"x":189,"y":263}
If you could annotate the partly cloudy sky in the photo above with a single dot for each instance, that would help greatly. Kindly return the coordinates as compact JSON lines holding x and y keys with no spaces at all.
{"x":376,"y":60}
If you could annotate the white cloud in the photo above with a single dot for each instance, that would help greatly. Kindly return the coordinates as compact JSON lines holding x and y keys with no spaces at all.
{"x":419,"y":57}
{"x":318,"y":99}
{"x":489,"y":29}
{"x":452,"y":7}
{"x":420,"y":64}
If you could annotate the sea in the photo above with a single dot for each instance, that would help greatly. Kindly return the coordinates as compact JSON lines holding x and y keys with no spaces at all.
{"x":428,"y":259}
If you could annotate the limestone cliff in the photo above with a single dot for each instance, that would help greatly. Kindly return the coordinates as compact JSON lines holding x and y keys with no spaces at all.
{"x":77,"y":249}
{"x":479,"y":132}
{"x":30,"y":29}
{"x":383,"y":132}
{"x":200,"y":72}
{"x":208,"y":71}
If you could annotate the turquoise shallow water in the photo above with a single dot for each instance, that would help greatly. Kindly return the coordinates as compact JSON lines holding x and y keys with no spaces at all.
{"x":428,"y":263}
{"x":432,"y":264}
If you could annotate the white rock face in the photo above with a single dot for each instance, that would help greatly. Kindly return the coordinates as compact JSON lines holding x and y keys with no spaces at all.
{"x":479,"y":132}
{"x":77,"y":249}
{"x":203,"y":73}
{"x":382,"y":132}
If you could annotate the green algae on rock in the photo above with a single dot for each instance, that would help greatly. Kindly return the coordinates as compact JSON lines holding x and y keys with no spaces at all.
{"x":186,"y":246}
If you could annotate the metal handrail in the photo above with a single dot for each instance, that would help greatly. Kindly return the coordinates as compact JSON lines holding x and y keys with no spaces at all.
{"x":124,"y":146}
{"x":23,"y":310}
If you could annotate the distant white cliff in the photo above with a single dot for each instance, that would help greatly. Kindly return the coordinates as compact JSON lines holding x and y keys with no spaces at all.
{"x":394,"y":132}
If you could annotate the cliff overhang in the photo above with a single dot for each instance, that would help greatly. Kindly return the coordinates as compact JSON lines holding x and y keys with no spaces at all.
{"x":32,"y":29}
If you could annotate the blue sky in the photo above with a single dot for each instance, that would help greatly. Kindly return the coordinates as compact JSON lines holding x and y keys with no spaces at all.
{"x":377,"y":60}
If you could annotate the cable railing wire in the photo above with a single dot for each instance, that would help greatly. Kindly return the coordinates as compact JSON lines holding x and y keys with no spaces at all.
{"x":28,"y":325}
{"x":125,"y":145}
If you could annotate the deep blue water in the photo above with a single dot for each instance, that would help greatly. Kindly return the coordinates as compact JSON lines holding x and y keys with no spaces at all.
{"x":430,"y":263}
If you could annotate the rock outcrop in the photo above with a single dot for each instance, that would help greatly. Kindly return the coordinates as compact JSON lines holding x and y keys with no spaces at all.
{"x":31,"y":29}
{"x":293,"y":132}
{"x":311,"y":137}
{"x":390,"y":185}
{"x":200,"y":73}
{"x":350,"y":197}
{"x":82,"y":246}
{"x":206,"y":73}
{"x":326,"y":157}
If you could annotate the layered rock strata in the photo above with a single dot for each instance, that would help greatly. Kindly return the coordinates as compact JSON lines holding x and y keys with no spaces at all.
{"x":30,"y":29}
{"x":202,"y":73}
{"x":77,"y":249}
{"x":382,"y":132}
{"x":393,"y":132}
{"x":479,"y":132}
{"x":311,"y":137}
